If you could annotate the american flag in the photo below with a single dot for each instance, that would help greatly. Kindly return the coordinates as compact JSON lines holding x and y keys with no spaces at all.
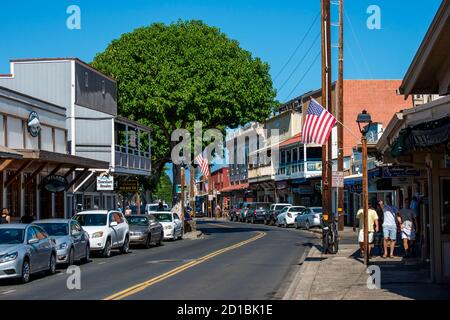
{"x":203,"y":163}
{"x":318,"y":124}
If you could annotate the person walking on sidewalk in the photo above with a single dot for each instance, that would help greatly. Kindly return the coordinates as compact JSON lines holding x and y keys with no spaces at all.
{"x":5,"y":218}
{"x":373,"y":221}
{"x":408,"y":221}
{"x":389,"y":227}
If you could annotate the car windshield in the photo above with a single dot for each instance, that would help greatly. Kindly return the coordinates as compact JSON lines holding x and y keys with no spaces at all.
{"x":280,"y":206}
{"x":296,"y":209}
{"x":55,"y":229}
{"x":163,"y":217}
{"x":137,"y":221}
{"x":11,"y":236}
{"x":91,"y":220}
{"x":317,"y":210}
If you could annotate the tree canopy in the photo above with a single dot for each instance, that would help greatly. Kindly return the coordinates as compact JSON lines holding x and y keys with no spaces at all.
{"x":163,"y":189}
{"x":172,"y":75}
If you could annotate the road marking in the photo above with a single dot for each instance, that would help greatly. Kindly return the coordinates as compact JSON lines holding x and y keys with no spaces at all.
{"x":219,"y":225}
{"x":103,"y":262}
{"x":8,"y":291}
{"x":141,"y":286}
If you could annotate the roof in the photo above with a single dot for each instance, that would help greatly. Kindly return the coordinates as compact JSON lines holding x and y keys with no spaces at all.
{"x":136,"y":124}
{"x":64,"y":59}
{"x":7,"y":153}
{"x":52,"y":221}
{"x":235,"y":187}
{"x":295,"y":139}
{"x":431,"y":57}
{"x":67,"y":159}
{"x":13,"y":226}
{"x":94,"y":212}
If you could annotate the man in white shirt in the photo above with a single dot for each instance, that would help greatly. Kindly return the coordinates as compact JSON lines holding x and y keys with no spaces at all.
{"x":408,"y":221}
{"x":389,"y":227}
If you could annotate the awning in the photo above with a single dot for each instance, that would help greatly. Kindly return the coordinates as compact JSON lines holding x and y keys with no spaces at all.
{"x":66,"y":160}
{"x":235,"y":187}
{"x":295,"y":139}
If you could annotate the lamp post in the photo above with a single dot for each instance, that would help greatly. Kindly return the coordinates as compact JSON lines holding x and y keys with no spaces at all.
{"x":364,"y":121}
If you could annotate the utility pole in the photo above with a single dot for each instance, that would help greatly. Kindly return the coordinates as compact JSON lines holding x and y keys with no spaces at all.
{"x":365,"y":200}
{"x":191,"y":188}
{"x":340,"y":118}
{"x":182,"y":197}
{"x":326,"y":102}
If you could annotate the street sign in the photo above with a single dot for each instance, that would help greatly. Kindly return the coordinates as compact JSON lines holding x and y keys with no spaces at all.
{"x":397,"y":171}
{"x":338,"y":179}
{"x":105,"y":183}
{"x":128,"y":186}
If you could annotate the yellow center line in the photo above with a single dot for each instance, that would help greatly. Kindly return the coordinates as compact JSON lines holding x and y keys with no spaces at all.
{"x":143,"y":285}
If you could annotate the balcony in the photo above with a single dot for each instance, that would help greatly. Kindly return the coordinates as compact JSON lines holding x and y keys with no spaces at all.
{"x":132,"y":153}
{"x":299,"y":170}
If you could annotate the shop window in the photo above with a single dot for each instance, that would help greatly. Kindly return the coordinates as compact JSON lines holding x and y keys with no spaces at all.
{"x":13,"y":196}
{"x":59,"y":205}
{"x":45,"y":204}
{"x":445,"y":196}
{"x":30,"y":196}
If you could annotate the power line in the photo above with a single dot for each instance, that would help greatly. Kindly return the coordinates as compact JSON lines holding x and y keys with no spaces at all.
{"x":298,"y":47}
{"x":304,"y":75}
{"x":300,"y":62}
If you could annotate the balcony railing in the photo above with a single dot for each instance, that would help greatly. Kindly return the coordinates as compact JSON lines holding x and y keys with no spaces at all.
{"x":133,"y":159}
{"x":298,"y":169}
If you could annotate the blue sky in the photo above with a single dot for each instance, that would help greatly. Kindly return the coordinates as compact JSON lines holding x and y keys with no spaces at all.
{"x":270,"y":29}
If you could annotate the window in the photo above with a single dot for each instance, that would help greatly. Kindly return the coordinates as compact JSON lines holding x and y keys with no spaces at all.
{"x":175,"y":216}
{"x":295,"y":155}
{"x":103,"y":87}
{"x":75,"y":226}
{"x":31,"y":234}
{"x":40,"y":233}
{"x":86,"y":79}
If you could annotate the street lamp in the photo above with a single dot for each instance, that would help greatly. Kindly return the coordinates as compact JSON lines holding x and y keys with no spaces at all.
{"x":364,"y":121}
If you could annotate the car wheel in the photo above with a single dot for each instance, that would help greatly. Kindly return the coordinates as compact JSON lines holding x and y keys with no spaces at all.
{"x":284,"y":224}
{"x":52,"y":264}
{"x":87,"y":254}
{"x":148,"y":243}
{"x":25,"y":277}
{"x":126,"y":246}
{"x":295,"y":225}
{"x":307,"y":225}
{"x":71,"y":257}
{"x":107,"y":250}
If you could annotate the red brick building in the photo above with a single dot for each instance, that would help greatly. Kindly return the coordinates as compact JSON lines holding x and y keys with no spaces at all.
{"x":221,"y":180}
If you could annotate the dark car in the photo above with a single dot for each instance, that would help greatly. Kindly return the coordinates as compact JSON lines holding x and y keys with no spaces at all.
{"x":145,"y":230}
{"x":271,"y":215}
{"x":257,"y":211}
{"x":235,"y":211}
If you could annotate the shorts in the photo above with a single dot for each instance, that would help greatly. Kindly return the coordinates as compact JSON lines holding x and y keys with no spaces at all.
{"x":361,"y":236}
{"x":409,"y":234}
{"x":390,"y":232}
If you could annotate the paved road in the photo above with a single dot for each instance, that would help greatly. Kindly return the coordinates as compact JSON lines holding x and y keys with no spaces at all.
{"x":234,"y":261}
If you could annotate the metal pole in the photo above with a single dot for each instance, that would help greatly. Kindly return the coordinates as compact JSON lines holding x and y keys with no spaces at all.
{"x":340,"y":116}
{"x":323,"y":97}
{"x":365,"y":200}
{"x":191,"y":188}
{"x":182,"y":197}
{"x":329,"y":107}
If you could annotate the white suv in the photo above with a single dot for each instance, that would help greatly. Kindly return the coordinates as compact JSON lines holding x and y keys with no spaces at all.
{"x":107,"y":230}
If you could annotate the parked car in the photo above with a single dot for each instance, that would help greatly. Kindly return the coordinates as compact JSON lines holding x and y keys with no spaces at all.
{"x":287,"y":216}
{"x":107,"y":230}
{"x":271,"y":215}
{"x":72,"y":242}
{"x":309,"y":217}
{"x":154,"y":207}
{"x":235,"y":211}
{"x":25,"y":249}
{"x":257,"y":211}
{"x":243,"y":212}
{"x":145,"y":230}
{"x":171,"y":223}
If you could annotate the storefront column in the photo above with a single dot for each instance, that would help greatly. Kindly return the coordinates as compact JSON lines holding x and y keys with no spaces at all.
{"x":435,"y":225}
{"x":22,"y":195}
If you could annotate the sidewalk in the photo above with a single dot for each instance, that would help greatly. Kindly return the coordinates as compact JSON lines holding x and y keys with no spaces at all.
{"x":343,"y":276}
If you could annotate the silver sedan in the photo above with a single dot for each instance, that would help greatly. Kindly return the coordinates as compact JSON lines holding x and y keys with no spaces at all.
{"x":72,"y":242}
{"x":25,"y":249}
{"x":145,"y":229}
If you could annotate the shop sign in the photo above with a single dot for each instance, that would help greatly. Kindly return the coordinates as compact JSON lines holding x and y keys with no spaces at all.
{"x":314,"y":166}
{"x":105,"y":183}
{"x":303,"y":190}
{"x":392,"y":172}
{"x":399,"y":182}
{"x":33,"y":124}
{"x":128,"y":186}
{"x":55,"y":183}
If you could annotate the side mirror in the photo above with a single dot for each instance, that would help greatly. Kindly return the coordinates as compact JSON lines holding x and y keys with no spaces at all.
{"x":33,"y":241}
{"x":113,"y":224}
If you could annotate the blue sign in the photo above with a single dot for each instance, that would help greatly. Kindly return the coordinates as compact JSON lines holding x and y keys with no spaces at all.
{"x":398,"y":172}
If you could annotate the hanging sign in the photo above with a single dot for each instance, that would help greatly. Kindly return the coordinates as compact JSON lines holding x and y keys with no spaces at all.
{"x":55,"y":183}
{"x":105,"y":183}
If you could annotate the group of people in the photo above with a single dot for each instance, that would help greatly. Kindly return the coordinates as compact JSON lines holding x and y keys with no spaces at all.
{"x":385,"y":226}
{"x":6,"y":217}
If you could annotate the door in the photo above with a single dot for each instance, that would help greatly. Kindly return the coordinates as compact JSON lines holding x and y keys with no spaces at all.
{"x":114,"y":231}
{"x":123,"y":227}
{"x":445,"y":227}
{"x":154,"y":228}
{"x":35,"y":259}
{"x":44,"y":247}
{"x":79,"y":243}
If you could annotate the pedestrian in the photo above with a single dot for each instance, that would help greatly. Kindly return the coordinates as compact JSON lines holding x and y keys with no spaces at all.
{"x":373,"y":221}
{"x":407,"y":218}
{"x":160,"y":206}
{"x":218,"y":210}
{"x":127,"y":211}
{"x":5,"y":218}
{"x":27,"y":218}
{"x":378,"y":237}
{"x":389,"y":227}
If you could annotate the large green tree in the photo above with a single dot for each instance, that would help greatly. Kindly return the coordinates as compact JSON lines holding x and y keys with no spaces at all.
{"x":163,"y":189}
{"x":171,"y":75}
